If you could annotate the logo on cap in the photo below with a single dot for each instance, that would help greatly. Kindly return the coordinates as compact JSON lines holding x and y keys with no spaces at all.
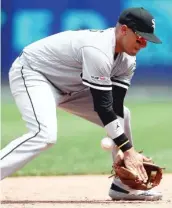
{"x":153,"y":23}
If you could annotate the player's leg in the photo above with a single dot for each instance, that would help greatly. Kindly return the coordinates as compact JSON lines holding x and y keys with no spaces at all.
{"x":35,"y":99}
{"x":119,"y":191}
{"x":81,"y":104}
{"x":83,"y":100}
{"x":127,"y":124}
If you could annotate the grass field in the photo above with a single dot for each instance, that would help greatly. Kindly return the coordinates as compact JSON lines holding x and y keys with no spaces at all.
{"x":78,"y":148}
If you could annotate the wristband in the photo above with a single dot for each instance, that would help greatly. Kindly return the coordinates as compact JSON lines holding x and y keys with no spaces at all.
{"x":122,"y":142}
{"x":114,"y":129}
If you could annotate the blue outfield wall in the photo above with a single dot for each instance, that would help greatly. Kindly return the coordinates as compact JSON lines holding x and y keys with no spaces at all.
{"x":23,"y":22}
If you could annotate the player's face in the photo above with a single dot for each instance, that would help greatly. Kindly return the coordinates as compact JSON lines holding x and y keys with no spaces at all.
{"x":132,"y":42}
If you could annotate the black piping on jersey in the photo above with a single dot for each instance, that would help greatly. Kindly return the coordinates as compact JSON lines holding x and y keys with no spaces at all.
{"x":115,"y":56}
{"x":120,"y":82}
{"x":94,"y":84}
{"x":39,"y":128}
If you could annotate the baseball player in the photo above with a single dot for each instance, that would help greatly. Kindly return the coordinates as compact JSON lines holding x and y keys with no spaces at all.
{"x":76,"y":70}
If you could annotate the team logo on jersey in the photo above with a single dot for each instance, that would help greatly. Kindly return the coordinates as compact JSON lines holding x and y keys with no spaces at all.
{"x":101,"y":78}
{"x":117,"y":126}
{"x":153,"y":23}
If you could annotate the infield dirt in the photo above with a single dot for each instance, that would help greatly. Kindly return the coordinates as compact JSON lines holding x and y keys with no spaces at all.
{"x":72,"y":192}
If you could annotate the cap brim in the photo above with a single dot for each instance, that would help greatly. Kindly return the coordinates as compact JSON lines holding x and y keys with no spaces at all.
{"x":149,"y":37}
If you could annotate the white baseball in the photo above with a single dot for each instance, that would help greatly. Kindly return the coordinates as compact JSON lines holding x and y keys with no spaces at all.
{"x":107,"y":143}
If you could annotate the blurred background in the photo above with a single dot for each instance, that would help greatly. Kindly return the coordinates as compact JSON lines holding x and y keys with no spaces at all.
{"x":149,"y":98}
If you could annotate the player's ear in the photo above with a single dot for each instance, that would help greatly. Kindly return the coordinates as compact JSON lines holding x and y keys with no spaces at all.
{"x":124,"y":29}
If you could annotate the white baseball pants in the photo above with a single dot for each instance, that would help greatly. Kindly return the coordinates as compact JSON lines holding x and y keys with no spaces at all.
{"x":37,"y":101}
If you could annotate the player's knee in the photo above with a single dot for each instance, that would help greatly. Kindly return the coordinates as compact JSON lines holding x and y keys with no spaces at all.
{"x":127,"y":113}
{"x":49,"y":134}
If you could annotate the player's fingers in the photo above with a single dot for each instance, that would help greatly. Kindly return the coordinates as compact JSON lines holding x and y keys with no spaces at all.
{"x":133,"y":167}
{"x":143,"y":173}
{"x":147,"y":159}
{"x":139,"y":174}
{"x":140,"y":171}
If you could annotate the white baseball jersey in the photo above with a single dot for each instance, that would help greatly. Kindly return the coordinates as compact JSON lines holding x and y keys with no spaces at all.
{"x":72,"y":60}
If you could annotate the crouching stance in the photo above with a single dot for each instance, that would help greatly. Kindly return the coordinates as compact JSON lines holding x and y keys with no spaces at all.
{"x":86,"y":73}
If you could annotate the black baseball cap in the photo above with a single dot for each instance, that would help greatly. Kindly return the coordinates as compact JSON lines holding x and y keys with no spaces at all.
{"x":140,"y":21}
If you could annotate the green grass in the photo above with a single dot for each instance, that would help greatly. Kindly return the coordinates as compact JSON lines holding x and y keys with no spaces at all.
{"x":78,"y":147}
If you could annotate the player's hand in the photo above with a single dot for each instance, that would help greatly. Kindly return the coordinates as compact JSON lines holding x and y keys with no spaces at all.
{"x":146,"y":159}
{"x":134,"y":162}
{"x":119,"y":157}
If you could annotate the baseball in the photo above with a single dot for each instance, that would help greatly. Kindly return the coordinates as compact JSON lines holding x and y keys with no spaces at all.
{"x":107,"y":143}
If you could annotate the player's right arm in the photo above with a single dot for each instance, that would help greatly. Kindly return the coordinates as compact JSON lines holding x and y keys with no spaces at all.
{"x":96,"y":75}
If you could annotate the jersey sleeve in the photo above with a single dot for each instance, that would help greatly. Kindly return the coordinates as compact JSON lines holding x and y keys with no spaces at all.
{"x":96,"y":69}
{"x":124,"y":80}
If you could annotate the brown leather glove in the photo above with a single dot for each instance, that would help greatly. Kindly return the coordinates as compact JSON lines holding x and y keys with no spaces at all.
{"x":129,"y":178}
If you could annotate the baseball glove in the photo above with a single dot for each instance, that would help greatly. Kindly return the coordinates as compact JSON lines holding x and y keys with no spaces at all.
{"x":129,"y":178}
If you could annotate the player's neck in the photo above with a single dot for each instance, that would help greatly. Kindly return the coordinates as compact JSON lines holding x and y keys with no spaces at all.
{"x":118,"y":47}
